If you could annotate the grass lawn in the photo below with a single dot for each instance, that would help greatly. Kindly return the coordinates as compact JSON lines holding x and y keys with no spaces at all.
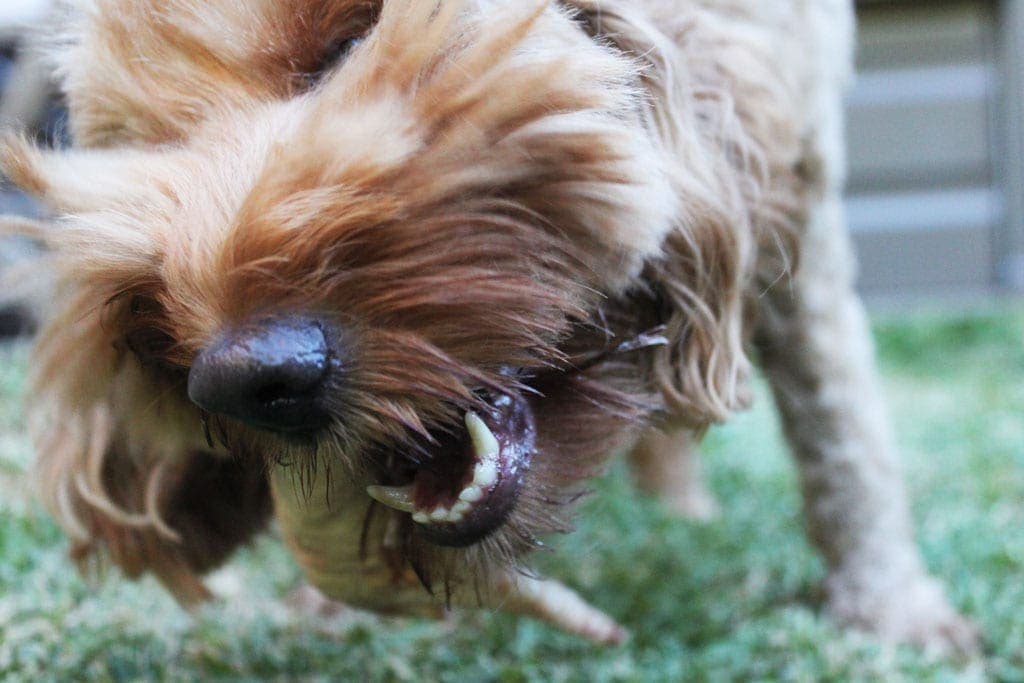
{"x":736,"y":599}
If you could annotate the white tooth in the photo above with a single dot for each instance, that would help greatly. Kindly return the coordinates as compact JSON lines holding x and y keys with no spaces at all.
{"x":461,"y":508}
{"x":485,"y":473}
{"x":397,"y":497}
{"x":484,"y":444}
{"x":471,"y":494}
{"x":420,"y":517}
{"x":439,"y":514}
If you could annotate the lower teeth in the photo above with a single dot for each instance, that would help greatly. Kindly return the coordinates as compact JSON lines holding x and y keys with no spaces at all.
{"x":399,"y":498}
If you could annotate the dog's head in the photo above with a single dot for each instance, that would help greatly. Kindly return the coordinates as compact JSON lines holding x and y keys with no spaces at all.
{"x":401,"y":241}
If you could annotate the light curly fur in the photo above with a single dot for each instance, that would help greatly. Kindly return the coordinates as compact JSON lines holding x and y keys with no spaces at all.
{"x":480,"y":184}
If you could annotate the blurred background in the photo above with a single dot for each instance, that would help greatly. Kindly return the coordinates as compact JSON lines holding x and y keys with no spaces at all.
{"x":27,"y":101}
{"x":936,"y":148}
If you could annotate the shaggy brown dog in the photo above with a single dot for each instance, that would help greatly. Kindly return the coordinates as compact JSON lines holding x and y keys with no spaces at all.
{"x":401,"y":274}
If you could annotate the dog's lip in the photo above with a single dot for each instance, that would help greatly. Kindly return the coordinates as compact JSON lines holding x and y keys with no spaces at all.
{"x":472,"y":494}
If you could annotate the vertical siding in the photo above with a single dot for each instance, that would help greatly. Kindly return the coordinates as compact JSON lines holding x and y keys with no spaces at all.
{"x":924,"y":204}
{"x":1009,"y":144}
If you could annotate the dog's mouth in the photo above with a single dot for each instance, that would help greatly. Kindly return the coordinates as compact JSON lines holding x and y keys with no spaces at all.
{"x":469,"y":487}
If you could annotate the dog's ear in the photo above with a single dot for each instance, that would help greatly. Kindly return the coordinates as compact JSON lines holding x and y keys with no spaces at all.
{"x":122,"y":473}
{"x":701,"y":372}
{"x":122,"y":462}
{"x":733,"y":170}
{"x":699,"y":277}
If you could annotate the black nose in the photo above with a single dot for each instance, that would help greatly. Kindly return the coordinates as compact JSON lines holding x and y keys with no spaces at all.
{"x":269,"y":374}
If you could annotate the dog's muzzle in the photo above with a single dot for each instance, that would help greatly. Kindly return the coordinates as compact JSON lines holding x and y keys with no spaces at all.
{"x":269,"y":373}
{"x":274,"y":374}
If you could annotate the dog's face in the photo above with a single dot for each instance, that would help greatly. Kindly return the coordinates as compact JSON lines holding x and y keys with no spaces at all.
{"x":384,"y":238}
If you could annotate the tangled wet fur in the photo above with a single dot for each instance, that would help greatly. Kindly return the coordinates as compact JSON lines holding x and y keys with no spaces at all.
{"x":463,"y":187}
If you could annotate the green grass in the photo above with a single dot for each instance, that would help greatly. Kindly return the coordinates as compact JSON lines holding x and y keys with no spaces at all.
{"x":736,"y":599}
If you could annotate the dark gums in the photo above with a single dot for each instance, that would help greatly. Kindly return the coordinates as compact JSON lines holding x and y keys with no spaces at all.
{"x":512,"y":423}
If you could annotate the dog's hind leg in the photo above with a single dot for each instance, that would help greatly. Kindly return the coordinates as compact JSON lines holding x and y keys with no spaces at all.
{"x":816,"y":350}
{"x":666,"y":464}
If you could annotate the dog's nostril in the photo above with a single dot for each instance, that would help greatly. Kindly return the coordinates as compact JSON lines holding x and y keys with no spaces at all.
{"x":270,"y":373}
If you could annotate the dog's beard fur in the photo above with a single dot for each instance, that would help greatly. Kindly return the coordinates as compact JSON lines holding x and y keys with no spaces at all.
{"x":474,"y":187}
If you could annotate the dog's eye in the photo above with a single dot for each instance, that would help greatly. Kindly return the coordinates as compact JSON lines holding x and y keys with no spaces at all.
{"x":140,"y":306}
{"x":337,"y":52}
{"x":332,"y":56}
{"x":151,"y":345}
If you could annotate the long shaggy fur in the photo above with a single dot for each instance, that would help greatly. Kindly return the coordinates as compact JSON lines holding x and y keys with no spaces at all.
{"x":475,"y":186}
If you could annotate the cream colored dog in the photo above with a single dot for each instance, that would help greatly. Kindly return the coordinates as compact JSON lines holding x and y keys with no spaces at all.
{"x":402,"y":274}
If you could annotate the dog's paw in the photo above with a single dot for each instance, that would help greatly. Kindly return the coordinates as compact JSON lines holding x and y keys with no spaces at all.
{"x":915,"y":612}
{"x":695,"y":503}
{"x":305,"y":600}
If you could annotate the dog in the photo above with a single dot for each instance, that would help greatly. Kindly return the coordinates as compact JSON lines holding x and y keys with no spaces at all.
{"x":401,"y":276}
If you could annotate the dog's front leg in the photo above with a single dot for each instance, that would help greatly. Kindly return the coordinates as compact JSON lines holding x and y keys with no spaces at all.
{"x":816,"y":350}
{"x":546,"y":600}
{"x":550,"y":601}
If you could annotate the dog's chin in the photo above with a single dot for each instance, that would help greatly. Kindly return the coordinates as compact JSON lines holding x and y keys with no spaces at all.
{"x":469,"y":482}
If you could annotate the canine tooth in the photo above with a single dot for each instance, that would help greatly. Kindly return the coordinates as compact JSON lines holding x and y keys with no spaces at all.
{"x":484,"y":444}
{"x":485,"y":473}
{"x":471,"y":494}
{"x":461,"y":508}
{"x":397,"y":497}
{"x":420,"y":517}
{"x":439,"y":514}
